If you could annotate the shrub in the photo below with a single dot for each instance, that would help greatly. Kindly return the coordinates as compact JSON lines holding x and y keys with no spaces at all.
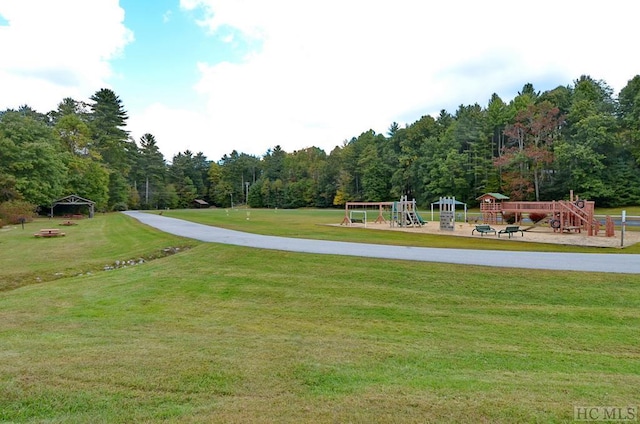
{"x":509,"y":218}
{"x":537,"y":217}
{"x":17,"y":211}
{"x":119,"y":207}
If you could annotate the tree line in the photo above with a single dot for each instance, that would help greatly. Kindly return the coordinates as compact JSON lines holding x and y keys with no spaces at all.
{"x":539,"y":146}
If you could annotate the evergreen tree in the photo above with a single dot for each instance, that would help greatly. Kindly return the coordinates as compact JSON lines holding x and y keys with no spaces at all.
{"x":149,"y":172}
{"x":107,"y":122}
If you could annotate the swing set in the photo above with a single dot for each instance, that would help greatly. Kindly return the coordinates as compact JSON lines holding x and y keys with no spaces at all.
{"x":403,"y":213}
{"x":352,"y":215}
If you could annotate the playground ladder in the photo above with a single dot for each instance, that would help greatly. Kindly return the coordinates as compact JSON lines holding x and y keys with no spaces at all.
{"x":578,"y":217}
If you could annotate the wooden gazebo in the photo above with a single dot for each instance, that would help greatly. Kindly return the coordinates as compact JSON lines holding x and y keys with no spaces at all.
{"x":74,"y":200}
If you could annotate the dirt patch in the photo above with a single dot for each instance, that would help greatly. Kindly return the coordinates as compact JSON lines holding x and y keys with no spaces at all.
{"x":539,"y":234}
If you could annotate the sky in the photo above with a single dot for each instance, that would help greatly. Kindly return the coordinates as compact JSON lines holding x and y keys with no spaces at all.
{"x":214,"y":76}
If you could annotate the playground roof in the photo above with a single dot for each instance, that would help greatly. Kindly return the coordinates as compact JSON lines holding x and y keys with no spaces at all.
{"x":497,"y":196}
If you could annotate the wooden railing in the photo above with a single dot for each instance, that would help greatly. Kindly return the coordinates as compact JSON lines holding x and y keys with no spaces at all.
{"x":490,"y":207}
{"x":575,"y":210}
{"x":529,"y":206}
{"x":584,"y":214}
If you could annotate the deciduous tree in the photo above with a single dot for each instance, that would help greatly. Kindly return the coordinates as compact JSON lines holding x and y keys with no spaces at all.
{"x":528,"y":154}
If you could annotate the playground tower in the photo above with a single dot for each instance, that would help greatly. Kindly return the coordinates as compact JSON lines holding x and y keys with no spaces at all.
{"x":405,"y":214}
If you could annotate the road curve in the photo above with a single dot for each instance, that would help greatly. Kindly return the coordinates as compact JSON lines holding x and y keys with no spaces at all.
{"x":590,"y":262}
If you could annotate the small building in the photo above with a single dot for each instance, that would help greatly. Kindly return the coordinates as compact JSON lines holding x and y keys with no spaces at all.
{"x":199,"y":203}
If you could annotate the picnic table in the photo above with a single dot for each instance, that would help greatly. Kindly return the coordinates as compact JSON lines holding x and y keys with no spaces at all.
{"x":49,"y":232}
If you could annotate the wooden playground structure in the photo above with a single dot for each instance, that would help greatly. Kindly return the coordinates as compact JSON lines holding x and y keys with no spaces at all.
{"x":573,"y":215}
{"x":403,"y":213}
{"x":353,"y":215}
{"x":562,"y":216}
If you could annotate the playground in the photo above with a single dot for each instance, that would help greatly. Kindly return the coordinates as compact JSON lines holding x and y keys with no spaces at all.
{"x":566,"y":223}
{"x":540,"y":234}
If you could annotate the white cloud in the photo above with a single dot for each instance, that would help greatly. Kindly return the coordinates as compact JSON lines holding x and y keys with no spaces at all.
{"x":175,"y":130}
{"x":317,"y":72}
{"x":329,"y":70}
{"x":57,"y":49}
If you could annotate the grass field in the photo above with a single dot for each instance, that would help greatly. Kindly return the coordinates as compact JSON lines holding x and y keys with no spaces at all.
{"x":323,"y":224}
{"x":228,"y":334}
{"x":88,"y":246}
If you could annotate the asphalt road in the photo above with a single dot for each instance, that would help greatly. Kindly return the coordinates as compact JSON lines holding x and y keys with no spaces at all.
{"x":591,"y":262}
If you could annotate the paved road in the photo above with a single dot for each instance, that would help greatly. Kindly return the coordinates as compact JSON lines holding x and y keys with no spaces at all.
{"x":593,"y":262}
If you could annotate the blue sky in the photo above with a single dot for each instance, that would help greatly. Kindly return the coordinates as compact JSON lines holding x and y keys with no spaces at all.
{"x":163,"y":47}
{"x":160,"y":63}
{"x":214,"y":76}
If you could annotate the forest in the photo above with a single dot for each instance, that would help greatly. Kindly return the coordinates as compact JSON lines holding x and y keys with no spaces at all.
{"x":538,"y":146}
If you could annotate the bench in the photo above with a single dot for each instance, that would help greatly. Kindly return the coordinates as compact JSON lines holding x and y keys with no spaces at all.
{"x":49,"y":232}
{"x":483,"y":229}
{"x":511,"y":229}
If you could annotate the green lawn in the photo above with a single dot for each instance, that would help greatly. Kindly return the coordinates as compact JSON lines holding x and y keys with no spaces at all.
{"x":324,"y":224}
{"x":88,"y":246}
{"x":228,"y":334}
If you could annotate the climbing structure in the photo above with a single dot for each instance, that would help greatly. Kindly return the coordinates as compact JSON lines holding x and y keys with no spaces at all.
{"x":491,"y":207}
{"x":574,"y":215}
{"x":447,"y":213}
{"x":405,"y":213}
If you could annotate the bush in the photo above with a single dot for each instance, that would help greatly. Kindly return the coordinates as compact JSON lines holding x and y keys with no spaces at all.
{"x":537,"y":217}
{"x":119,"y":207}
{"x":17,"y":211}
{"x":509,"y":218}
